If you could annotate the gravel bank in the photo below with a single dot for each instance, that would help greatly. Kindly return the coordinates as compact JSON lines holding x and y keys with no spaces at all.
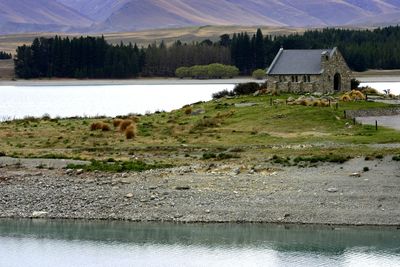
{"x":201,"y":193}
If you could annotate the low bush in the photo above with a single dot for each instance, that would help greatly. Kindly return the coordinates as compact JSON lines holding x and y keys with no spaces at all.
{"x":246,"y":88}
{"x":220,"y":156}
{"x":259,"y":74}
{"x":222,"y":94}
{"x":329,"y":158}
{"x":396,"y":158}
{"x":215,"y":70}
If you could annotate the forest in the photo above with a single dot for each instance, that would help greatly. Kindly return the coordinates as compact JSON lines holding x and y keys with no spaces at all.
{"x":4,"y":55}
{"x":93,"y":57}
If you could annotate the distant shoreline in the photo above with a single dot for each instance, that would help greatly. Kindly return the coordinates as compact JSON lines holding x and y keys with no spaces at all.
{"x":373,"y":78}
{"x":149,"y":81}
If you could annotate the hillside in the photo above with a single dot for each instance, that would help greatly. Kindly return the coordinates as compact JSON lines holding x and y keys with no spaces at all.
{"x":128,"y":15}
{"x":98,"y":16}
{"x":38,"y":15}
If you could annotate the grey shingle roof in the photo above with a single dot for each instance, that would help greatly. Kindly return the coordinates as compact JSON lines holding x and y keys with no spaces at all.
{"x":289,"y":62}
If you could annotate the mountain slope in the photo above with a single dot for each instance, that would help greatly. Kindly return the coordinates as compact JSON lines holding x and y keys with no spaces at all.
{"x":129,"y":15}
{"x":19,"y":15}
{"x":138,"y":14}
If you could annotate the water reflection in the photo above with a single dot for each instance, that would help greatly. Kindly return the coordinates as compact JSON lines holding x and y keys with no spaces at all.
{"x":154,"y":244}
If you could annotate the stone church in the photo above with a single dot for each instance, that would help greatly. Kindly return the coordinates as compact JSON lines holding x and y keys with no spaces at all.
{"x":314,"y":70}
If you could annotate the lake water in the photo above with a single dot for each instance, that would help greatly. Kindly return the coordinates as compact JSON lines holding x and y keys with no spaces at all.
{"x":77,"y":243}
{"x":381,"y":86}
{"x":109,"y":100}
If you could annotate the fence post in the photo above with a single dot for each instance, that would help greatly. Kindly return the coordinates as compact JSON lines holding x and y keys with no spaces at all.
{"x":376,"y":125}
{"x":344,"y":112}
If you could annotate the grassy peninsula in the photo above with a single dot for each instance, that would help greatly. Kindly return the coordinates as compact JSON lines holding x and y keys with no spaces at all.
{"x":245,"y":128}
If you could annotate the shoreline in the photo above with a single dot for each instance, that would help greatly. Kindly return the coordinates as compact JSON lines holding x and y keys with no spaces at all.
{"x":373,"y":78}
{"x":329,"y":194}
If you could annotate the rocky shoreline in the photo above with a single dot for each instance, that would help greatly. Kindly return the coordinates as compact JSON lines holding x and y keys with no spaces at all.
{"x":338,"y":194}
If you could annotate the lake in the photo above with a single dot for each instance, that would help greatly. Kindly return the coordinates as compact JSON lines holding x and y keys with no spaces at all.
{"x":111,"y":100}
{"x":83,"y":243}
{"x":108,"y":100}
{"x":381,"y":86}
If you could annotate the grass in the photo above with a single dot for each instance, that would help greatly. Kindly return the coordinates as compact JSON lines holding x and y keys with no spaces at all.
{"x":260,"y":131}
{"x":120,"y":166}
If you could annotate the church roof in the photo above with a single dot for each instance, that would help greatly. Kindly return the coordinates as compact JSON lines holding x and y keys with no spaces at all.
{"x":290,"y":62}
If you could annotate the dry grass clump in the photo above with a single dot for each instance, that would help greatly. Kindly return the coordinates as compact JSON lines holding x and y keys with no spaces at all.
{"x":105,"y":127}
{"x":354,"y":95}
{"x":130,"y":131}
{"x":117,"y":122}
{"x":125,"y":124}
{"x":345,"y":98}
{"x":188,"y":110}
{"x":100,"y":126}
{"x":135,"y":119}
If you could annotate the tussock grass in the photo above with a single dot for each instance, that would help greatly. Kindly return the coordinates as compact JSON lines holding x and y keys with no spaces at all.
{"x":117,"y":122}
{"x":260,"y":131}
{"x":130,"y":132}
{"x":125,"y":124}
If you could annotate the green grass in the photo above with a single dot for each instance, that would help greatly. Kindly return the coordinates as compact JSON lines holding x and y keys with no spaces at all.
{"x":176,"y":138}
{"x":121,"y":166}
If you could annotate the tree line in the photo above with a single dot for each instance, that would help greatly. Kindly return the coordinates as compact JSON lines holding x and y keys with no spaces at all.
{"x":93,"y":57}
{"x":4,"y":55}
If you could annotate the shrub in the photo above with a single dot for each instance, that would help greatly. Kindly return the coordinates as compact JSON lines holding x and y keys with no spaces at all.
{"x":355,"y":83}
{"x":365,"y":169}
{"x":396,"y":158}
{"x":222,"y":94}
{"x":130,"y":132}
{"x":182,"y":72}
{"x":369,"y":91}
{"x":125,"y":124}
{"x":246,"y":88}
{"x":259,"y":74}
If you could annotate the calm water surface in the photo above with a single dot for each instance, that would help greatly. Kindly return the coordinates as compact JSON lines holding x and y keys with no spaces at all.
{"x":109,"y":100}
{"x":76,"y":243}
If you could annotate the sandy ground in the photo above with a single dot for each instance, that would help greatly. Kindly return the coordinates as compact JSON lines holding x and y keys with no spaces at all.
{"x":220,"y":192}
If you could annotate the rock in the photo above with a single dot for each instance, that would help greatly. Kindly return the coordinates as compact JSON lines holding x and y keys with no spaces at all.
{"x":198,"y":112}
{"x":184,"y":187}
{"x":39,"y":214}
{"x":355,"y":174}
{"x":152,"y":187}
{"x":257,"y":93}
{"x":207,"y":211}
{"x":245,"y":105}
{"x":236,"y":171}
{"x":79,"y":171}
{"x":69,"y":171}
{"x":290,"y":99}
{"x":286,"y":215}
{"x":332,"y":190}
{"x":130,"y":195}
